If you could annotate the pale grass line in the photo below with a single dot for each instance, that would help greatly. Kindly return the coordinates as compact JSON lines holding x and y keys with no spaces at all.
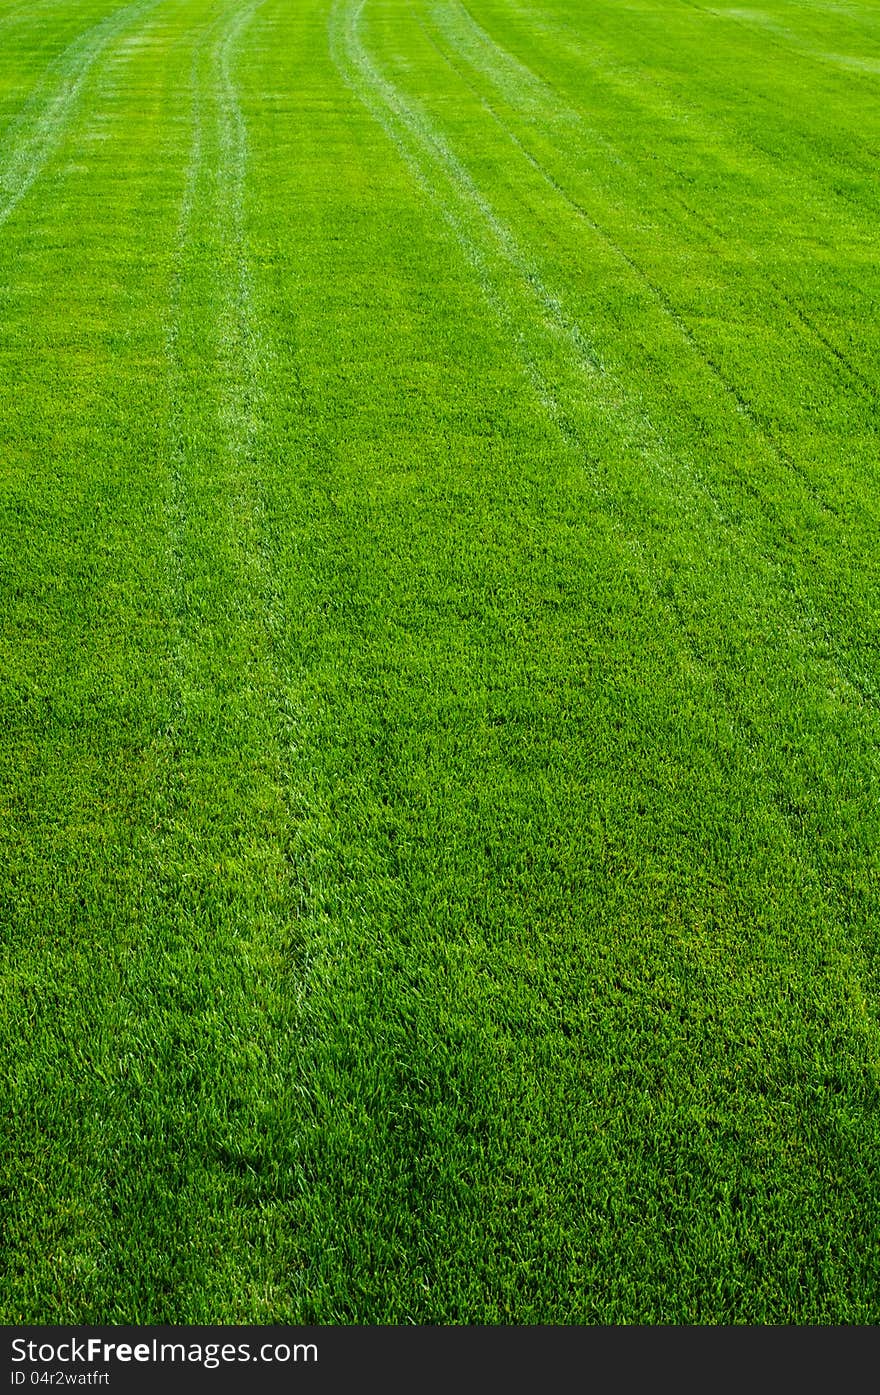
{"x":176,"y":505}
{"x":252,"y":357}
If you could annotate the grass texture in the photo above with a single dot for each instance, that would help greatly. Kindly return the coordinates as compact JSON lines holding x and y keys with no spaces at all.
{"x":440,"y":729}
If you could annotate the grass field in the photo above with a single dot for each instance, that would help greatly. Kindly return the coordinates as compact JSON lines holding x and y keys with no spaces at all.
{"x":441,"y":670}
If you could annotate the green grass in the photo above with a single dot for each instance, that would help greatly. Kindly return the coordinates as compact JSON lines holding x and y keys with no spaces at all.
{"x":441,"y":699}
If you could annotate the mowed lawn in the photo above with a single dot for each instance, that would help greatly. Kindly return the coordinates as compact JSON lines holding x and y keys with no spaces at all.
{"x":439,"y":824}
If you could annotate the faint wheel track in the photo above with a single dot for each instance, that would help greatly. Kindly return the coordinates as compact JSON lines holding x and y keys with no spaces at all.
{"x":240,"y":344}
{"x":247,"y":349}
{"x":177,"y":502}
{"x":39,"y":128}
{"x":256,"y":356}
{"x":247,"y":356}
{"x":251,"y":350}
